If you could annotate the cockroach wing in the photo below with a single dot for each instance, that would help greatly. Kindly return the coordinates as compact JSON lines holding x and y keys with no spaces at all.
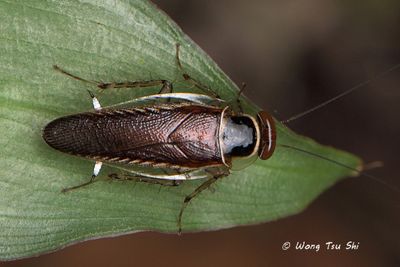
{"x":166,"y":135}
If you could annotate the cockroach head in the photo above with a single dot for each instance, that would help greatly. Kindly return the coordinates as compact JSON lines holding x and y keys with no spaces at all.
{"x":268,"y":135}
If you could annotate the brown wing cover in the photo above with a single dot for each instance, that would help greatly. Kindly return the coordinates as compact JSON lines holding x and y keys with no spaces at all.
{"x":184,"y":136}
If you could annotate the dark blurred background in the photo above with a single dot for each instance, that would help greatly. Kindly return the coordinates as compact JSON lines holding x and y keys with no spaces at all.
{"x":293,"y":54}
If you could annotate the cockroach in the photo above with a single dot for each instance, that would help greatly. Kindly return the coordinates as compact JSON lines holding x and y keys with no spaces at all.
{"x":185,"y":135}
{"x":173,"y":136}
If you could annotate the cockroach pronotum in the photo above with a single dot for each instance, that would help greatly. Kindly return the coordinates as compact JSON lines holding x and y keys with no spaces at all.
{"x":173,"y":137}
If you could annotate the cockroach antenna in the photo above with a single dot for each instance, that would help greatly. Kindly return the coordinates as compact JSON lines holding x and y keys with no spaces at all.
{"x":333,"y":99}
{"x":360,"y":172}
{"x":357,"y":171}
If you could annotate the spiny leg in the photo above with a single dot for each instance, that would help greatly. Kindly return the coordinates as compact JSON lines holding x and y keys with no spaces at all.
{"x":166,"y":88}
{"x":96,"y":171}
{"x":188,"y":198}
{"x":215,"y":176}
{"x":202,"y":87}
{"x":239,"y":103}
{"x":193,"y":81}
{"x":57,"y":68}
{"x":137,"y":178}
{"x":166,"y":85}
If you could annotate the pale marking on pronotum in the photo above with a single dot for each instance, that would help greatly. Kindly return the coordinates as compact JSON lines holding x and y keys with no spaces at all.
{"x":220,"y":133}
{"x":269,"y":134}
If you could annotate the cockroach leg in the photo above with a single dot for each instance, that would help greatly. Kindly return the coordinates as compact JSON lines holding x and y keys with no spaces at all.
{"x":137,"y":178}
{"x":166,"y":88}
{"x":188,"y":198}
{"x":200,"y":86}
{"x":177,"y":51}
{"x":191,"y":80}
{"x":217,"y":174}
{"x":239,"y":103}
{"x":166,"y":85}
{"x":96,"y":171}
{"x":115,"y":176}
{"x":161,"y":182}
{"x":57,"y":68}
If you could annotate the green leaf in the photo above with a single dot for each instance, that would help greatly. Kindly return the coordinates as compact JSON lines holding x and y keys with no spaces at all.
{"x":118,"y":41}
